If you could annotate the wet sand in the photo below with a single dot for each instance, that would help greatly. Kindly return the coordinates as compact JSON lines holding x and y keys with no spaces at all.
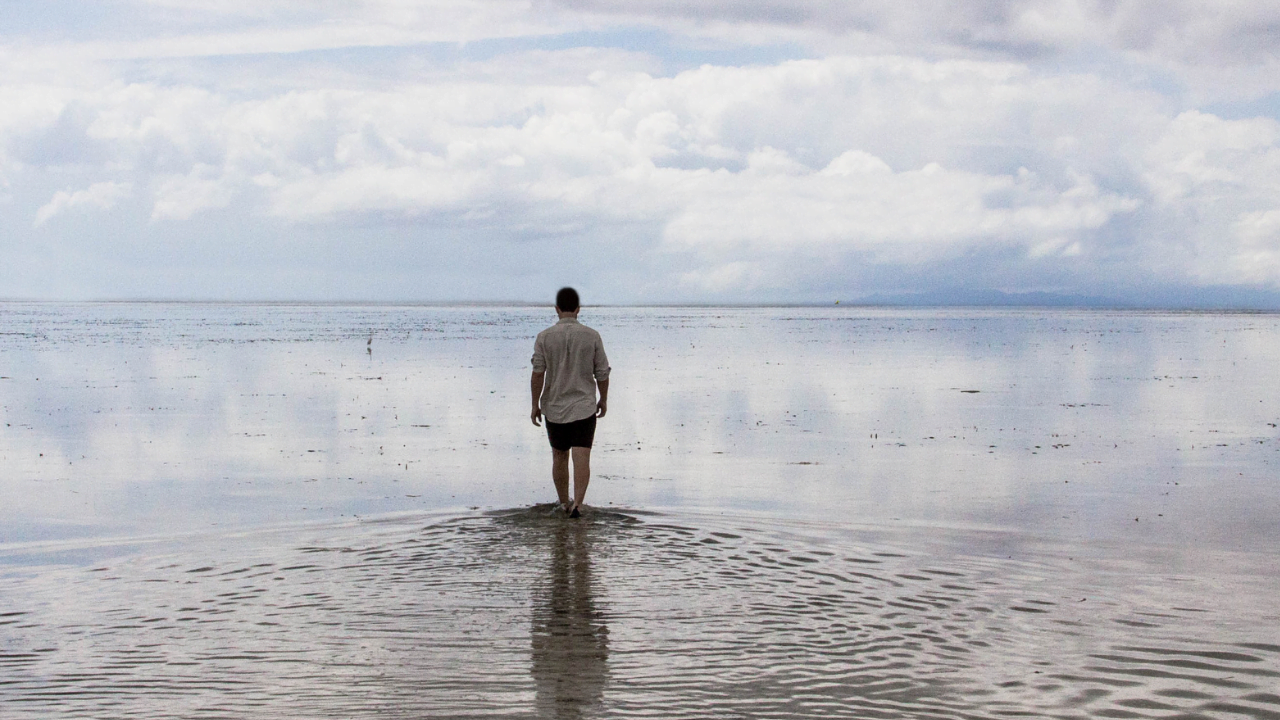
{"x":231,"y":511}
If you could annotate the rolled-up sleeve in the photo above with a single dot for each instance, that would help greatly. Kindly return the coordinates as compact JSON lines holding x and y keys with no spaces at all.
{"x":601,"y":367}
{"x":539,"y":359}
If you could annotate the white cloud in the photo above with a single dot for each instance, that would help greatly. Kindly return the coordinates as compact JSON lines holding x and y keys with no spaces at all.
{"x":1218,"y":182}
{"x":101,"y":196}
{"x":733,"y":276}
{"x":1011,"y":143}
{"x":856,"y":162}
{"x":179,"y":197}
{"x":165,"y":29}
{"x":1211,"y":51}
{"x":906,"y":217}
{"x":1183,"y":36}
{"x":1257,"y":258}
{"x":1230,"y":31}
{"x":1202,"y":155}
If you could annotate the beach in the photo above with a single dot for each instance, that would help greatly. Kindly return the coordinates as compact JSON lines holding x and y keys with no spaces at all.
{"x":222,"y":510}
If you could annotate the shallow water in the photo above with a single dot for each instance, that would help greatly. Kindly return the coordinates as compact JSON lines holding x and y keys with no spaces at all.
{"x":525,"y":613}
{"x":263,"y":511}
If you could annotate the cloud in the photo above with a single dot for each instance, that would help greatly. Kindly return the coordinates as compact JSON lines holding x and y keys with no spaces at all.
{"x":172,"y":29}
{"x":1218,"y":181}
{"x":102,"y":196}
{"x":1040,"y":145}
{"x":1226,"y":32}
{"x":179,"y":197}
{"x":1257,"y":255}
{"x":1179,"y":35}
{"x":1223,"y":51}
{"x":926,"y":214}
{"x":894,"y":159}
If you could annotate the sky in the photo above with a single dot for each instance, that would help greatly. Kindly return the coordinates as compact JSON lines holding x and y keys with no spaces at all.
{"x":735,"y":151}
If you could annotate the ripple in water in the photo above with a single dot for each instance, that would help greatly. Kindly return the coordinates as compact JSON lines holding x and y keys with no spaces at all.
{"x":523,"y":613}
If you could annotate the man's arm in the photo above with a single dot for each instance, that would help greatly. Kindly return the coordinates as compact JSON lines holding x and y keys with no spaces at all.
{"x":535,"y":388}
{"x":600,"y":369}
{"x":602,"y":405}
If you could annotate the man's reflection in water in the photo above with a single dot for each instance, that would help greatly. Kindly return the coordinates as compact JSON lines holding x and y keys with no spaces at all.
{"x":570,"y":638}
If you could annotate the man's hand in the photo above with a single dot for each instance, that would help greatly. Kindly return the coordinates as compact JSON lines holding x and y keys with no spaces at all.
{"x":535,"y":389}
{"x":602,"y":405}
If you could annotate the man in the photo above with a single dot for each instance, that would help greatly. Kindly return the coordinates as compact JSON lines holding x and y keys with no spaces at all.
{"x":569,"y":365}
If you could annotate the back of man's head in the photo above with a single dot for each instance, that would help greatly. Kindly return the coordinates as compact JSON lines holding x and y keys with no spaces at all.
{"x":567,"y":299}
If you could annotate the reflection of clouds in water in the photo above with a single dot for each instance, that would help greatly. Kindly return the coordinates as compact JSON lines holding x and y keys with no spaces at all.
{"x":569,"y":635}
{"x":251,"y":415}
{"x":737,"y":613}
{"x":708,"y":615}
{"x":154,"y":417}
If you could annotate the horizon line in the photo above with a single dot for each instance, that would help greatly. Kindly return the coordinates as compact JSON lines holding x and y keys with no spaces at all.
{"x":1065,"y":304}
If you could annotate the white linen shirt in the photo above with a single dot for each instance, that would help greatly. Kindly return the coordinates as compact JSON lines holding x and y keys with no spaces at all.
{"x":572,"y":356}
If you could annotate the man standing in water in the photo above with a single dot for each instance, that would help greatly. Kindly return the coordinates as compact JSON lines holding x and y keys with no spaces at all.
{"x":569,"y":364}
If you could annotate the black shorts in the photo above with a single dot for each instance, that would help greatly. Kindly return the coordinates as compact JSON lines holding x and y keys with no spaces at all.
{"x":578,"y":433}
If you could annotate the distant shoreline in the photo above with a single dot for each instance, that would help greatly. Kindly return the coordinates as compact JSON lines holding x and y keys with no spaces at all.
{"x":1261,"y":309}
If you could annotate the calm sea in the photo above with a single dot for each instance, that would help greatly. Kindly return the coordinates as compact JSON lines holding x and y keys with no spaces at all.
{"x":335,"y":512}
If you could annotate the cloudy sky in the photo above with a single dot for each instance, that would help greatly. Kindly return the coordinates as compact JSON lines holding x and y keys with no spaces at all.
{"x":643,"y":150}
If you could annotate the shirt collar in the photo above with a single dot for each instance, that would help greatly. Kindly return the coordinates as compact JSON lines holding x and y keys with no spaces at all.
{"x":573,"y":320}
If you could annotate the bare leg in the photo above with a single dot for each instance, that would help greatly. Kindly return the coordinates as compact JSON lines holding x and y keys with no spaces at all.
{"x":560,"y":474}
{"x":581,"y":473}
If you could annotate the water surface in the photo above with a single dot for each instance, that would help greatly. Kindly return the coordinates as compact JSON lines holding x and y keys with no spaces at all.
{"x":301,"y":511}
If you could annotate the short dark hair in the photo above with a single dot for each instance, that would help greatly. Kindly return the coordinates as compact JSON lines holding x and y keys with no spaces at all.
{"x":567,"y":299}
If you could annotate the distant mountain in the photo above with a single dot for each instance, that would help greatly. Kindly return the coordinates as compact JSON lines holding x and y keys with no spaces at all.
{"x":1207,"y":298}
